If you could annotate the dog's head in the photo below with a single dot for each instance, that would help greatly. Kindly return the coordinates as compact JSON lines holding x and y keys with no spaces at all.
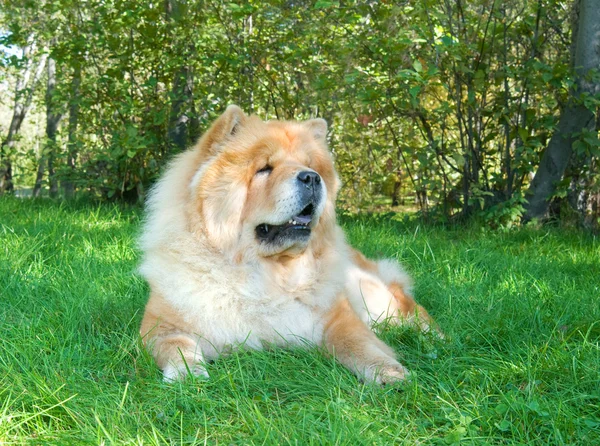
{"x":264,"y":188}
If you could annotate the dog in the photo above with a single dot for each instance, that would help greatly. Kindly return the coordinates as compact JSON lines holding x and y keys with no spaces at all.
{"x":241,"y":248}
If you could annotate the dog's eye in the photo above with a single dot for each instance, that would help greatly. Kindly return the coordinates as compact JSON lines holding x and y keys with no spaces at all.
{"x":267,"y":169}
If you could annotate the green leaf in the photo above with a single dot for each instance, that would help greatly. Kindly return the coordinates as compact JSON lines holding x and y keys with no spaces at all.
{"x":523,"y":134}
{"x":132,"y":131}
{"x":460,"y":159}
{"x":504,"y":425}
{"x":579,"y":147}
{"x":323,"y":4}
{"x":593,"y":424}
{"x":456,"y":435}
{"x":501,"y":409}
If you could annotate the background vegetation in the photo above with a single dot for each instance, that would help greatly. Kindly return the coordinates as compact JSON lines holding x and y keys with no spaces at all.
{"x":520,"y":366}
{"x":450,"y":106}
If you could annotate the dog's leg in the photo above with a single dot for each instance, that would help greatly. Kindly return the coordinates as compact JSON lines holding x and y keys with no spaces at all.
{"x":410,"y":311}
{"x":177,"y":355}
{"x":352,"y":343}
{"x":176,"y":352}
{"x":384,"y":289}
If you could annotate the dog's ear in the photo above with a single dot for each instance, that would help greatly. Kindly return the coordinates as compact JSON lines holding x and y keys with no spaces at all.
{"x":318,"y":128}
{"x":226,"y":126}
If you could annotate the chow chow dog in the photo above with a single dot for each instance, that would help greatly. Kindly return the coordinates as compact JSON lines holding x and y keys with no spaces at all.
{"x":241,"y":248}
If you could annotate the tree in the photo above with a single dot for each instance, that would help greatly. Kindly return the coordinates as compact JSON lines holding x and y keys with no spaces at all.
{"x":182,"y":99}
{"x":53,"y":117}
{"x":576,"y":117}
{"x":25,"y":87}
{"x":448,"y":105}
{"x":67,"y":181}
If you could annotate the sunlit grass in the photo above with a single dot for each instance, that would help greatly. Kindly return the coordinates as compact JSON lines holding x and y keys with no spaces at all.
{"x":521,"y":364}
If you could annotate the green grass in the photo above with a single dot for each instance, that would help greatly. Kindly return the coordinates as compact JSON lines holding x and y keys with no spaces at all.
{"x":521,"y":363}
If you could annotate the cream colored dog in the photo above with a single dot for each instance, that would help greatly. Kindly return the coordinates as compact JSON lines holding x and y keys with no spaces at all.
{"x":241,"y":247}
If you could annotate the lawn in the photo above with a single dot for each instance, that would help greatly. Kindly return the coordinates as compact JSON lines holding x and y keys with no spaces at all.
{"x":521,"y":363}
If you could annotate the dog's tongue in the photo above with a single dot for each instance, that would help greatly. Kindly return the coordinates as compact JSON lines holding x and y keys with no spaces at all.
{"x":303,"y":219}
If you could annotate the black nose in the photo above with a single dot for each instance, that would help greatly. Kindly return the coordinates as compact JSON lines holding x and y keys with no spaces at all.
{"x":309,"y":178}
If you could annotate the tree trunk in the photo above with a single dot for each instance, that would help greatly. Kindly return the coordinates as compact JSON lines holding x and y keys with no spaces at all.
{"x":53,"y":117}
{"x":23,"y":97}
{"x":67,"y":184}
{"x":52,"y":120}
{"x":182,"y":90}
{"x":575,"y":117}
{"x":37,"y":188}
{"x":179,"y":118}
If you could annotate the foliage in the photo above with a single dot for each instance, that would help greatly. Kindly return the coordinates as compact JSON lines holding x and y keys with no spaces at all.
{"x":520,"y":365}
{"x":445,"y":104}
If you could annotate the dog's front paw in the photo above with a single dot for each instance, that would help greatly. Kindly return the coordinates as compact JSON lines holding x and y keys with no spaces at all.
{"x":174,"y":372}
{"x":429,"y":327}
{"x":387,"y":373}
{"x":392,"y":374}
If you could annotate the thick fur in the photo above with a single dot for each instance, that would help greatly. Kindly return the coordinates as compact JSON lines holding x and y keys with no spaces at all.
{"x":216,"y":284}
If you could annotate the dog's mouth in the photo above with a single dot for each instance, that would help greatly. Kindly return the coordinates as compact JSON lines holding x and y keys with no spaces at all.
{"x":296,"y":227}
